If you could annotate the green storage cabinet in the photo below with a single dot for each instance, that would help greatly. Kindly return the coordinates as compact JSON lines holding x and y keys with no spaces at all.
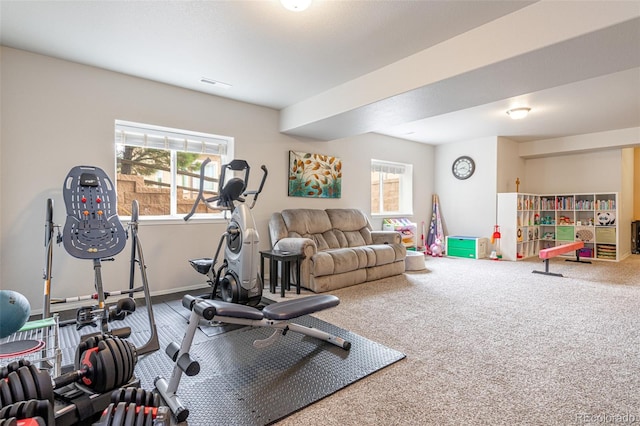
{"x":469,"y":247}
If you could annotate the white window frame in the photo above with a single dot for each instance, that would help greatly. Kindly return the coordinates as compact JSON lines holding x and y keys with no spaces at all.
{"x":173,"y":140}
{"x":405,"y":196}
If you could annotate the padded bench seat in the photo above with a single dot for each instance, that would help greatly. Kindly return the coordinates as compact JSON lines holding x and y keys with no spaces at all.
{"x":280,"y":311}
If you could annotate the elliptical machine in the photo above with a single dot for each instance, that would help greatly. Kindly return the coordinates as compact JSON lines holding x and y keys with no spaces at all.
{"x":237,"y":280}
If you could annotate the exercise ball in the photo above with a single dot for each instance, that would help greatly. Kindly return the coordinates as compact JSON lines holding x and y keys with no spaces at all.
{"x":14,"y":312}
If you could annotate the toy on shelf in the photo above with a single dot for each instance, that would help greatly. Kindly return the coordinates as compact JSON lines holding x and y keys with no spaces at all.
{"x":564,"y":220}
{"x":606,"y":218}
{"x":407,"y":229}
{"x":547,"y":220}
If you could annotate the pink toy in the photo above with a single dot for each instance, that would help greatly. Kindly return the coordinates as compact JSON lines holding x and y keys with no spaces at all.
{"x":436,"y":248}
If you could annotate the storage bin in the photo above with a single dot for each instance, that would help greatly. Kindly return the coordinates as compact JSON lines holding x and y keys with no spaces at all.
{"x":605,"y":235}
{"x":585,"y":252}
{"x":565,"y":233}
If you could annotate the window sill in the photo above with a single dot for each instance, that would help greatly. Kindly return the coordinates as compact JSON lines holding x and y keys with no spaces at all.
{"x":391,"y":214}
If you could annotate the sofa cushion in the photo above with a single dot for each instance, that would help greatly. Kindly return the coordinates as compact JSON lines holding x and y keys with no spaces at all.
{"x":385,"y":253}
{"x":349,"y":238}
{"x":336,"y":261}
{"x":339,"y":261}
{"x":353,"y":223}
{"x":305,"y":222}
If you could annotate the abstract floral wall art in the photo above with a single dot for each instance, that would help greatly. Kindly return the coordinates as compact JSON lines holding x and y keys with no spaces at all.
{"x":314,"y":175}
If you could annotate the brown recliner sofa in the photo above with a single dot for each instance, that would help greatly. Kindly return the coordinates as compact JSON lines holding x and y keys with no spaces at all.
{"x":339,"y":246}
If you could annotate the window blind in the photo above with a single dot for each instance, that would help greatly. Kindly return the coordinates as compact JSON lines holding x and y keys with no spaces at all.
{"x":387,"y":167}
{"x":147,"y":136}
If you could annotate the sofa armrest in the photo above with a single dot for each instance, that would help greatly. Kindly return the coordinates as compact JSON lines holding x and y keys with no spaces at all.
{"x":305,"y":246}
{"x":386,"y":237}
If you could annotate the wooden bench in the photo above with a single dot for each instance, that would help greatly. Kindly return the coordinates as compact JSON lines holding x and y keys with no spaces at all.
{"x":548,"y":253}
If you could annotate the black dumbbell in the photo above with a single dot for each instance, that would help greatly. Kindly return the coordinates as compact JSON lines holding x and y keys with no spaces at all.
{"x":32,"y":409}
{"x":131,"y":414}
{"x":33,"y":421}
{"x":137,"y":395}
{"x":12,"y":366}
{"x":103,"y":364}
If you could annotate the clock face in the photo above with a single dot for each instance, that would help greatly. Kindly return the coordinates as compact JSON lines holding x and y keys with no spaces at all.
{"x":463,"y":167}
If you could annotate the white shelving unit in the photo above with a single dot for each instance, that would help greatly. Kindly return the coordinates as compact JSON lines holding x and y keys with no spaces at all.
{"x":530,"y":222}
{"x":519,"y":221}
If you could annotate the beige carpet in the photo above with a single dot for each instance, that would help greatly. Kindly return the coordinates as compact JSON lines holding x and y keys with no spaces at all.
{"x":488,"y":342}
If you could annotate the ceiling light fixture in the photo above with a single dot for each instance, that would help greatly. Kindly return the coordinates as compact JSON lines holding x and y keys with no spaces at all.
{"x":518,"y":113}
{"x":215,"y":83}
{"x":296,"y":5}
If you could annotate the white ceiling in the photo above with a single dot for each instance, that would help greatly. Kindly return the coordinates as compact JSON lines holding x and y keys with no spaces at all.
{"x":575,"y":83}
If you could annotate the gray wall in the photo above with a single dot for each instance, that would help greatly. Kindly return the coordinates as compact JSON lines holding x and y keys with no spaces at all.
{"x":57,"y":115}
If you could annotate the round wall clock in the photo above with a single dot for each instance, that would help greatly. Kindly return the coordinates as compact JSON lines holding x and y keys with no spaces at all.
{"x":463,"y":167}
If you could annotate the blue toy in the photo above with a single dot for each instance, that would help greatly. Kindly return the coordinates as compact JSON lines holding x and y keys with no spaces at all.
{"x":14,"y":312}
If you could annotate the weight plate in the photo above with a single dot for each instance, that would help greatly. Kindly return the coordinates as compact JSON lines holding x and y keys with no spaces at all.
{"x":16,"y":410}
{"x":130,"y":350}
{"x":12,"y":366}
{"x":116,"y":395}
{"x":28,"y":384}
{"x":148,"y":419}
{"x":130,"y":395}
{"x":141,"y":397}
{"x":28,"y":409}
{"x":140,"y":417}
{"x":118,"y":361}
{"x":128,"y":359}
{"x":119,"y":414}
{"x":84,"y":345}
{"x":16,"y":387}
{"x":44,"y":387}
{"x":104,"y":371}
{"x":128,"y":355}
{"x":107,"y":414}
{"x":130,"y":419}
{"x":5,"y":393}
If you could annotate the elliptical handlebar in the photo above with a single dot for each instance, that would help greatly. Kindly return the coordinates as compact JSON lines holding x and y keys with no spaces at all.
{"x":231,"y":191}
{"x":200,"y":190}
{"x":255,"y":194}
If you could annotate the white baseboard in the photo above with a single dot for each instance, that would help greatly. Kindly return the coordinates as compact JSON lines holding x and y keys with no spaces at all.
{"x":58,"y":307}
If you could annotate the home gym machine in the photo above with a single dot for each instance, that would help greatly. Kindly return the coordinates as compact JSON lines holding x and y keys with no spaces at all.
{"x":237,"y":280}
{"x":93,"y":231}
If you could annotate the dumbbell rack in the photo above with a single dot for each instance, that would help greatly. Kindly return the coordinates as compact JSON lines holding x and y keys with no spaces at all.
{"x":49,"y":357}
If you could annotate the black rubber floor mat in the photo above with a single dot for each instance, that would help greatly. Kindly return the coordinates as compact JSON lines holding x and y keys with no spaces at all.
{"x":239,"y":384}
